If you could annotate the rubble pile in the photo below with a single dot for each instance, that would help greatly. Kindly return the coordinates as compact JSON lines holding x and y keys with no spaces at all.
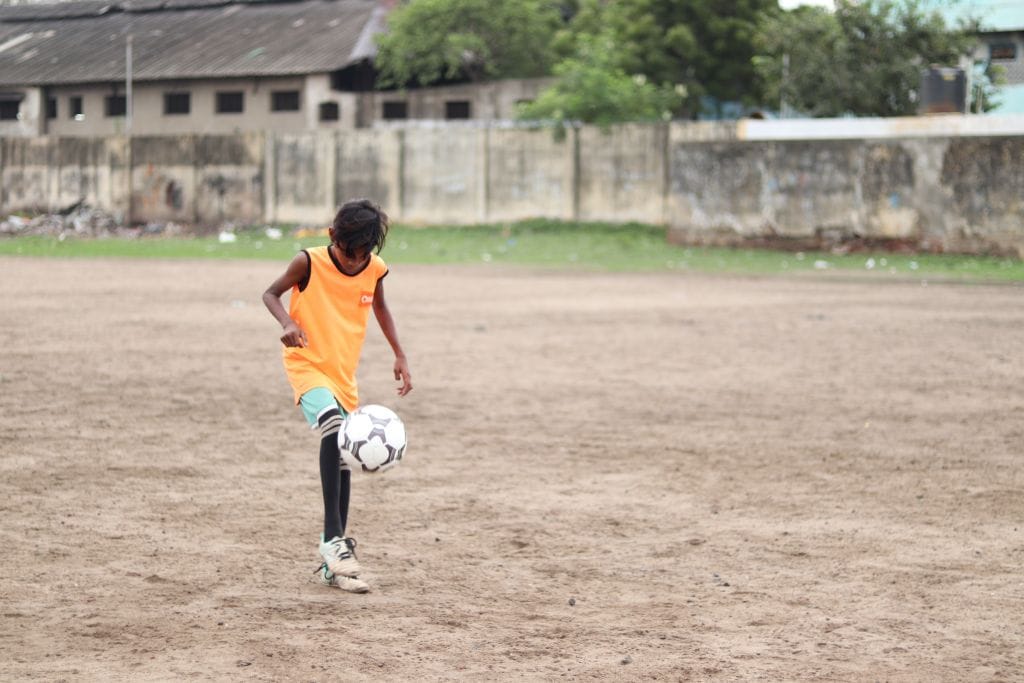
{"x":78,"y":220}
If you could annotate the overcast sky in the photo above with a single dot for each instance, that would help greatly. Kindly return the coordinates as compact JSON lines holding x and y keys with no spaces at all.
{"x":790,"y":4}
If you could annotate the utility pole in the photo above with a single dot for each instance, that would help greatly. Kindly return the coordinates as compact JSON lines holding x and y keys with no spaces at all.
{"x":785,"y":77}
{"x":128,"y":86}
{"x":128,"y":125}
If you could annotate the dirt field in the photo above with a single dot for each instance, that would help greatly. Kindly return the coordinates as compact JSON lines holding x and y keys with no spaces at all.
{"x":730,"y":478}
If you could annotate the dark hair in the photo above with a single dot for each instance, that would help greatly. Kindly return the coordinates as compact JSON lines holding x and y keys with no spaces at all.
{"x":360,"y":225}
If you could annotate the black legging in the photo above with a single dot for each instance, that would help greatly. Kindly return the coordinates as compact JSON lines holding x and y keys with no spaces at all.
{"x":335,"y":481}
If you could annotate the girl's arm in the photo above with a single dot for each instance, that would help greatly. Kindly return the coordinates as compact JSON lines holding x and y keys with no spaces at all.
{"x":387,"y":326}
{"x":293,"y":335}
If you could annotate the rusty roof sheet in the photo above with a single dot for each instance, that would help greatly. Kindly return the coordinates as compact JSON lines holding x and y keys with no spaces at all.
{"x":84,"y":42}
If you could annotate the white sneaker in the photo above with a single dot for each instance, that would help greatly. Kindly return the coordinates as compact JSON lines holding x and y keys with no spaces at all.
{"x":340,"y":556}
{"x":352,"y":584}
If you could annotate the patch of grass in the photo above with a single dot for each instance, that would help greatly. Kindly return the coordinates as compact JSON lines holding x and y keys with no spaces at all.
{"x":539,"y":243}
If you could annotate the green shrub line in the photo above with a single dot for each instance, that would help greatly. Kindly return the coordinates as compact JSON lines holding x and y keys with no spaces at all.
{"x":536,"y":243}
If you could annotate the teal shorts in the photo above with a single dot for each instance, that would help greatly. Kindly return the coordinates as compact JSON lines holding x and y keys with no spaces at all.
{"x":315,"y":401}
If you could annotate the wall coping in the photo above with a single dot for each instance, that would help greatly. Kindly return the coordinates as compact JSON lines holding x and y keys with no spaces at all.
{"x":944,"y":125}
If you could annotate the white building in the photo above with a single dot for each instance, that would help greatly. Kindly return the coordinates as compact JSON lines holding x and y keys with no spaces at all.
{"x":212,"y":67}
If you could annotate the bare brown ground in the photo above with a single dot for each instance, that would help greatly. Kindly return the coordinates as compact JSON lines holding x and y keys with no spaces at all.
{"x":733,"y":478}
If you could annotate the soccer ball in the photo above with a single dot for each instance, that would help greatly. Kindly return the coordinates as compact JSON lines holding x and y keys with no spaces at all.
{"x":372,"y":440}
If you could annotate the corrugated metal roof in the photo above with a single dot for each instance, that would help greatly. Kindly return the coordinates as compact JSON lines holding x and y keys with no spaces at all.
{"x":39,"y":45}
{"x":58,"y":10}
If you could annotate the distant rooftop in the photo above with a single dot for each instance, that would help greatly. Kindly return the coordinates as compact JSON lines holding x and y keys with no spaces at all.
{"x":84,"y":42}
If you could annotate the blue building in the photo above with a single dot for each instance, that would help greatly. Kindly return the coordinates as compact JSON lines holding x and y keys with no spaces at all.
{"x":1002,"y":23}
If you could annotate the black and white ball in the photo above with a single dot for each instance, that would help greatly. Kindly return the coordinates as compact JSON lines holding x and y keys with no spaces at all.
{"x":372,"y":440}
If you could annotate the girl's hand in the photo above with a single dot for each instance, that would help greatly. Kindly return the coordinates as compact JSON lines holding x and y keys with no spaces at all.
{"x":294,"y":335}
{"x":402,"y":374}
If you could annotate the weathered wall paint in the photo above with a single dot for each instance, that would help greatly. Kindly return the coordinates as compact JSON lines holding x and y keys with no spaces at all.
{"x":49,"y":174}
{"x":705,"y":182}
{"x":529,"y":174}
{"x":443,"y":176}
{"x":957,"y":194}
{"x":205,"y":179}
{"x":622,"y":173}
{"x":367,"y":165}
{"x":303,"y":167}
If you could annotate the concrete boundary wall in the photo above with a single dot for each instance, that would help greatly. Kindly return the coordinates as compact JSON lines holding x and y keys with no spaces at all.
{"x":943,"y":183}
{"x":941,"y":194}
{"x":45,"y":174}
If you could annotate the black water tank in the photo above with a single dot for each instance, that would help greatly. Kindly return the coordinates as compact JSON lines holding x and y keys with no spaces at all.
{"x":943,"y":90}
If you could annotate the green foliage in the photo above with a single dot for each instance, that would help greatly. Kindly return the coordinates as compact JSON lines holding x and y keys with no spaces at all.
{"x":433,"y":40}
{"x":593,"y":88}
{"x":864,"y":59}
{"x":701,"y":47}
{"x":987,"y":78}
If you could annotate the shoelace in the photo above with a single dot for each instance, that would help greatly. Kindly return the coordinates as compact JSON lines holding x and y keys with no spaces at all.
{"x":341,"y":548}
{"x":330,"y":576}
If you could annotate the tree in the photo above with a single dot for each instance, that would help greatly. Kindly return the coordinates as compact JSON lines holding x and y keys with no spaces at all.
{"x":433,"y":40}
{"x":865,"y":59}
{"x":705,"y":46}
{"x":593,"y":88}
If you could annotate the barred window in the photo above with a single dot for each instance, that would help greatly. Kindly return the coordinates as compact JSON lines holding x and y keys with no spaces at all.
{"x":284,"y":100}
{"x":230,"y":102}
{"x":177,"y":103}
{"x":395,"y":110}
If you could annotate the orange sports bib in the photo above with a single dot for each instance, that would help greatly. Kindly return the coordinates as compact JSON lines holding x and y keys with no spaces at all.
{"x":332,"y":309}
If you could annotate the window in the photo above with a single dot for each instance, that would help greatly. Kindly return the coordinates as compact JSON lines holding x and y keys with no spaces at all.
{"x":10,"y":105}
{"x":284,"y":100}
{"x":457,"y":109}
{"x":75,"y":110}
{"x":395,"y":110}
{"x":230,"y":102}
{"x":9,"y":110}
{"x":51,"y":107}
{"x":177,"y":103}
{"x":1003,"y":51}
{"x":115,"y":105}
{"x":330,"y":111}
